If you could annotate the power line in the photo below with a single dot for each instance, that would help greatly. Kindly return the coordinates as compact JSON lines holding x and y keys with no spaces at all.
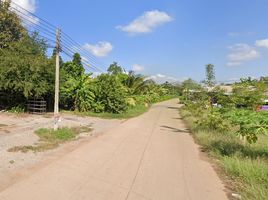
{"x":30,"y":22}
{"x":78,"y":49}
{"x":47,"y":28}
{"x":93,"y":64}
{"x":84,"y":61}
{"x":43,"y":20}
{"x":76,"y":44}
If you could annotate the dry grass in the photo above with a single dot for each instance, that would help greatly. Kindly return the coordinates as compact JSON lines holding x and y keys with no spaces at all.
{"x":50,"y":139}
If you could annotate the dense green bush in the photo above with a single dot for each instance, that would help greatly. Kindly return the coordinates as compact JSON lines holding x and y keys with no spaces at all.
{"x":212,"y":120}
{"x":110,"y":93}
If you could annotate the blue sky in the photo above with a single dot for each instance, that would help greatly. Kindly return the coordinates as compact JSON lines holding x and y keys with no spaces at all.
{"x":167,"y":39}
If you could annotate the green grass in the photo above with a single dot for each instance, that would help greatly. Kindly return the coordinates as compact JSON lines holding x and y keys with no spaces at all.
{"x":250,"y":176}
{"x":61,"y":135}
{"x":246,"y":165}
{"x":130,"y":113}
{"x":50,"y":139}
{"x":17,"y":109}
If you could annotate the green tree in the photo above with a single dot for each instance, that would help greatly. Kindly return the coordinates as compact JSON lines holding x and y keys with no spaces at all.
{"x":25,"y":69}
{"x":73,"y":70}
{"x":110,"y":93}
{"x":115,"y":69}
{"x":190,"y":84}
{"x":73,"y":81}
{"x":77,"y":59}
{"x":11,"y":29}
{"x":210,"y":75}
{"x":135,"y":83}
{"x":77,"y":93}
{"x":249,"y":93}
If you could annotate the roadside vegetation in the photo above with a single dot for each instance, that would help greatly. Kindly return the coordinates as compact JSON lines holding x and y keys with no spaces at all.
{"x":231,"y":128}
{"x":27,"y":72}
{"x":132,"y":111}
{"x":50,"y":139}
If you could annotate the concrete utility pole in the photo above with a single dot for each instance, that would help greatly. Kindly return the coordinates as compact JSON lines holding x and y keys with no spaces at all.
{"x":57,"y":79}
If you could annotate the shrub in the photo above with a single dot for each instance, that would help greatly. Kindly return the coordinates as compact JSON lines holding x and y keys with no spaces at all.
{"x":110,"y":92}
{"x":17,"y":109}
{"x":213,"y":120}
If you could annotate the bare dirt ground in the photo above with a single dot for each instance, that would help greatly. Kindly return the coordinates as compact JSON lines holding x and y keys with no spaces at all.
{"x":148,"y":157}
{"x":18,"y":130}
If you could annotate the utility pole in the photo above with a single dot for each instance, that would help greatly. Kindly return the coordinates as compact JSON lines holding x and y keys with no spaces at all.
{"x":57,"y":80}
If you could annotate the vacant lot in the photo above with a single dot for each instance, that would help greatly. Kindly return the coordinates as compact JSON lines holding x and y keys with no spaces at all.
{"x":18,"y":130}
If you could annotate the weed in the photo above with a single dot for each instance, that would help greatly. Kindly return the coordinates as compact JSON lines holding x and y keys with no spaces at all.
{"x":129,"y":113}
{"x":245,"y":164}
{"x":50,"y":139}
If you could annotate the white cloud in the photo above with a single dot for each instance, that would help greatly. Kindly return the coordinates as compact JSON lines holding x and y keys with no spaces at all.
{"x":100,"y":49}
{"x":147,"y":22}
{"x":233,"y":34}
{"x":161,"y":78}
{"x":161,"y":75}
{"x":28,"y":5}
{"x":137,"y":68}
{"x":236,"y":34}
{"x":241,"y":53}
{"x":234,"y":64}
{"x":262,"y":43}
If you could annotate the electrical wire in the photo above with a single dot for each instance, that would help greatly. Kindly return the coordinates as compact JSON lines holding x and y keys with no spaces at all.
{"x":46,"y":31}
{"x":28,"y":21}
{"x":43,"y":20}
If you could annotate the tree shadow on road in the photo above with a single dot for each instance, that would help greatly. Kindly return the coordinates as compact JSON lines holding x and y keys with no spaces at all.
{"x":179,"y":118}
{"x":174,"y":108}
{"x":176,"y":130}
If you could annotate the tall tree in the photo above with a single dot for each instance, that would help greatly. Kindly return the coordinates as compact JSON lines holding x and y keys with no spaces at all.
{"x":190,"y":84}
{"x":115,"y":69}
{"x":210,"y":75}
{"x":11,"y":29}
{"x":25,"y":71}
{"x":77,"y":59}
{"x":136,"y":84}
{"x":24,"y":68}
{"x":74,"y":68}
{"x":73,"y":81}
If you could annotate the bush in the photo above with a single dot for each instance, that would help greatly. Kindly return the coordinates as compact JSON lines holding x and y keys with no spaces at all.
{"x":110,"y":93}
{"x":212,"y":120}
{"x":17,"y":109}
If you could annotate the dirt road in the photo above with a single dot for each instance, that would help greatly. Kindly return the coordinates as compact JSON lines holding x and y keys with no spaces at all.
{"x":148,"y":157}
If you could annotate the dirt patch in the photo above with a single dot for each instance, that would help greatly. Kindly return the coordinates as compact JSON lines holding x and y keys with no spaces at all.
{"x":17,"y":135}
{"x":50,"y":139}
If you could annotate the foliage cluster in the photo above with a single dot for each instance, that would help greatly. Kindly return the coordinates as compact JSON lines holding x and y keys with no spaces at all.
{"x":113,"y":92}
{"x":234,"y":112}
{"x":27,"y":72}
{"x":217,"y":127}
{"x":244,"y":164}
